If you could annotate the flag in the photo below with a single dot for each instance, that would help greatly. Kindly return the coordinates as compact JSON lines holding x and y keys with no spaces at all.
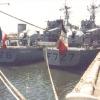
{"x":62,"y":43}
{"x":4,"y":37}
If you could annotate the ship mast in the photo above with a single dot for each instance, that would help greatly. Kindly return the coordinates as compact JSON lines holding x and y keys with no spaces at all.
{"x":89,"y":24}
{"x":66,"y":8}
{"x":66,"y":14}
{"x":92,"y":11}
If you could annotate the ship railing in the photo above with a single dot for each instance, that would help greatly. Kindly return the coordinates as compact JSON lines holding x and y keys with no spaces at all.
{"x":46,"y":44}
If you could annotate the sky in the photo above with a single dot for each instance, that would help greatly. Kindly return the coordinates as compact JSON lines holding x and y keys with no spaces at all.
{"x":38,"y":12}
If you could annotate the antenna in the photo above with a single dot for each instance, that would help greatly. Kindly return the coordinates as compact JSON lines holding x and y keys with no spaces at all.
{"x":65,"y":2}
{"x":66,"y":8}
{"x":4,"y":3}
{"x":67,"y":14}
{"x":92,"y":11}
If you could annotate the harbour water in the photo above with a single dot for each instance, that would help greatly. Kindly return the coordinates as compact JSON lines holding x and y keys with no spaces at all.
{"x":33,"y":81}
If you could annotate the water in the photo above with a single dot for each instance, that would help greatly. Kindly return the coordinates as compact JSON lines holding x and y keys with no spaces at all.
{"x":34,"y":83}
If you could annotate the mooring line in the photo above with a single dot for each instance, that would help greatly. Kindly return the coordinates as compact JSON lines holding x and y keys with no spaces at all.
{"x":10,"y":87}
{"x":21,"y":20}
{"x":51,"y":80}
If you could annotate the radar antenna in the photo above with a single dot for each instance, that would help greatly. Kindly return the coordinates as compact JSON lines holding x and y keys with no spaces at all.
{"x":66,"y":8}
{"x":92,"y":11}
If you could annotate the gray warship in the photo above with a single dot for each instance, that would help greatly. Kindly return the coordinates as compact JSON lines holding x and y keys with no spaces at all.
{"x":82,"y":48}
{"x":20,"y":50}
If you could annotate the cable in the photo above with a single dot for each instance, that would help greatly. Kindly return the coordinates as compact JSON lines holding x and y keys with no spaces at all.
{"x":53,"y":87}
{"x":22,"y":20}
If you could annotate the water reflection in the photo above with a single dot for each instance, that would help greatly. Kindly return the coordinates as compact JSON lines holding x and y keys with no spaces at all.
{"x":34,"y":83}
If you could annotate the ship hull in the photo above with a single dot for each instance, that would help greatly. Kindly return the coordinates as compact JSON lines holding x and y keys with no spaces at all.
{"x":77,"y":58}
{"x":20,"y":55}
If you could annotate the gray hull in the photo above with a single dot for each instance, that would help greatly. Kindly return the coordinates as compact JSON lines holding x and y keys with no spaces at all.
{"x":77,"y":58}
{"x":20,"y":55}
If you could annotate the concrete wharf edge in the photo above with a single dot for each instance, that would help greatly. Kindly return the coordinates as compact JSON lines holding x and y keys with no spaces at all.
{"x":88,"y":88}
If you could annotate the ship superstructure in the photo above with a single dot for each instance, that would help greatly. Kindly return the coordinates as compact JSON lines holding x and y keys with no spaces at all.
{"x":90,"y":24}
{"x":83,"y":46}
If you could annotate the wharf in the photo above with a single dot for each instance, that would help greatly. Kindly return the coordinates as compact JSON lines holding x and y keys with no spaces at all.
{"x":97,"y":86}
{"x":88,"y":88}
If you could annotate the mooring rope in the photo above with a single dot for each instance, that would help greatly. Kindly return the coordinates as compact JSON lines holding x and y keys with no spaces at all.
{"x":11,"y":88}
{"x":51,"y":80}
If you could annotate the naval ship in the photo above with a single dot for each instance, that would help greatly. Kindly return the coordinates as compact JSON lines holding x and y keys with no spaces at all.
{"x":15,"y":54}
{"x":77,"y":50}
{"x":20,"y":50}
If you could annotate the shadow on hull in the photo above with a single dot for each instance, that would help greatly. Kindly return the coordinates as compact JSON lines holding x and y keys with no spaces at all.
{"x":77,"y":70}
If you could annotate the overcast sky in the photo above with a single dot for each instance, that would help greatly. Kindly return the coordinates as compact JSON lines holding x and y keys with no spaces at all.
{"x":39,"y":11}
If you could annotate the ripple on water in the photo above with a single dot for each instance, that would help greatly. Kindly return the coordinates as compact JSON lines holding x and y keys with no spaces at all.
{"x":32,"y":81}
